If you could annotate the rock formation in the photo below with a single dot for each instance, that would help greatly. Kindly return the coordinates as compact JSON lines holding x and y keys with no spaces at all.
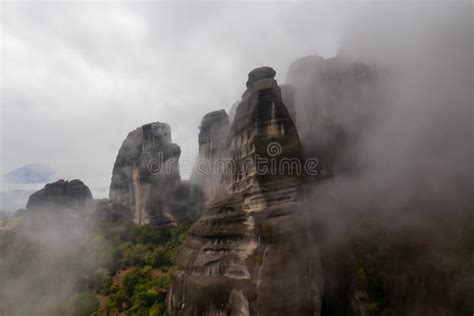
{"x":146,"y":175}
{"x":72,"y":194}
{"x":213,"y":131}
{"x":246,"y":255}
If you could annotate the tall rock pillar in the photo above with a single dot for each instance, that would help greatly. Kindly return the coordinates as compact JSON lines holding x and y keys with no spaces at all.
{"x":247,"y":254}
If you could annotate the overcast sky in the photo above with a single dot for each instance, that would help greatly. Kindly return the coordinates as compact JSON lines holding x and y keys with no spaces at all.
{"x":76,"y":78}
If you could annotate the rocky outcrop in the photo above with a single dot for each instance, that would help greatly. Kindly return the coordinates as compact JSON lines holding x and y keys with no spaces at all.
{"x":247,"y":255}
{"x":146,"y":176}
{"x":72,"y":194}
{"x":213,"y":131}
{"x":259,"y":74}
{"x":333,"y":100}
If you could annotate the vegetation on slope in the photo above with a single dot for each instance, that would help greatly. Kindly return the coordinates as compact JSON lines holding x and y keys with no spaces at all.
{"x":73,"y":265}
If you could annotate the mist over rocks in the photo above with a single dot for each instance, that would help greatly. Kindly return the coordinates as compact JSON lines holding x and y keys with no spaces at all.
{"x":384,"y":228}
{"x":232,"y":110}
{"x":106,"y":210}
{"x":288,"y":96}
{"x":146,"y":178}
{"x":72,"y":194}
{"x":246,"y":255}
{"x":212,"y":141}
{"x":334,"y":102}
{"x":393,"y":222}
{"x":370,"y":233}
{"x":46,"y":254}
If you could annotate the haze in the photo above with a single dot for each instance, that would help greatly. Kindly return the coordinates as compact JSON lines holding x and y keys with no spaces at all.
{"x":77,"y":78}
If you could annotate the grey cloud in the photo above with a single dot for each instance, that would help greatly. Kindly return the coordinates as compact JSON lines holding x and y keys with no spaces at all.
{"x":78,"y":77}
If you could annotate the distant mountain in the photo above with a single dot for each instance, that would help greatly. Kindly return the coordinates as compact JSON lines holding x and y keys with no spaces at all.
{"x":30,"y":173}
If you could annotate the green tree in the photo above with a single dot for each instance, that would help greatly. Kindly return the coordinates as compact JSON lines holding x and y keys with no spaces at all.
{"x":102,"y":281}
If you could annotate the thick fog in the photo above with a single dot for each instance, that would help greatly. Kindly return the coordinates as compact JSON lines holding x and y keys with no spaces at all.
{"x":415,"y":154}
{"x":422,"y":129}
{"x":44,"y":260}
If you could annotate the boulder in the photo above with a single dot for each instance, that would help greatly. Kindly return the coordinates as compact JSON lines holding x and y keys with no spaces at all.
{"x":72,"y":194}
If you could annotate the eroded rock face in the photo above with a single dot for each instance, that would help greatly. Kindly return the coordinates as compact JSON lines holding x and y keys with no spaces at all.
{"x":146,"y":175}
{"x":212,"y":135}
{"x":247,"y":255}
{"x":72,"y":194}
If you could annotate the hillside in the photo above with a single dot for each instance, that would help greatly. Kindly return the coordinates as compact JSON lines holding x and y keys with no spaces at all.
{"x":85,"y":266}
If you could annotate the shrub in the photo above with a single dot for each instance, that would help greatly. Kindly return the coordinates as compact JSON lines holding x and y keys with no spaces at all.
{"x":133,"y":279}
{"x":118,"y":296}
{"x":102,"y":281}
{"x":157,"y":310}
{"x":148,"y":234}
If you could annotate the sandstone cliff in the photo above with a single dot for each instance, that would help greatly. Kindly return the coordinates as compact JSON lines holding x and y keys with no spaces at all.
{"x":146,"y":177}
{"x":246,"y":254}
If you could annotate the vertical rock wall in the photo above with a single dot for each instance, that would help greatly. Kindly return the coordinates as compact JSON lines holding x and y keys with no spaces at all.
{"x":246,"y":255}
{"x":212,"y":135}
{"x":146,"y":175}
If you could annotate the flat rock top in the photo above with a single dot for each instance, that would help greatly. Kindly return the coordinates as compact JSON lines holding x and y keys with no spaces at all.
{"x":259,"y":74}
